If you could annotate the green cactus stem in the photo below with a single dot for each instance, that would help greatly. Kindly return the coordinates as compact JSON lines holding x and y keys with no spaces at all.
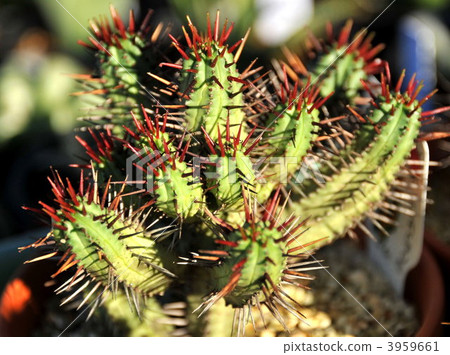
{"x":255,"y":258}
{"x":340,"y":64}
{"x":124,"y":55}
{"x":290,"y":130}
{"x":360,"y":175}
{"x":178,"y":192}
{"x":210,"y":86}
{"x":155,"y":320}
{"x":230,"y":162}
{"x":109,"y":246}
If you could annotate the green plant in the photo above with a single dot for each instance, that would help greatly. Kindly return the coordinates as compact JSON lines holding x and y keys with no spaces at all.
{"x":195,"y":167}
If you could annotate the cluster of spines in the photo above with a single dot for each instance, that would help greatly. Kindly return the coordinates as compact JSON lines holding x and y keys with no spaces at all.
{"x":124,"y":55}
{"x":103,"y":33}
{"x":104,"y":146}
{"x":178,"y":192}
{"x":254,"y":259}
{"x":291,"y":127}
{"x":209,"y":85}
{"x":339,"y":63}
{"x":361,"y":175}
{"x":114,"y":248}
{"x":361,"y":45}
{"x":230,"y":160}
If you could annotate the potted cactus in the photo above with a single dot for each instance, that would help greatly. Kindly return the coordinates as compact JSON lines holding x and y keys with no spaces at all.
{"x":209,"y":185}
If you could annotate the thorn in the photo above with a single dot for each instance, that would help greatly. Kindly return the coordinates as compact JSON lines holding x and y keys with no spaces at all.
{"x":345,"y":33}
{"x":227,"y":34}
{"x":214,"y":78}
{"x":131,"y":22}
{"x":188,"y":40}
{"x":84,"y":44}
{"x":388,"y":72}
{"x":238,"y":80}
{"x":241,"y":47}
{"x":373,"y":52}
{"x":208,"y":23}
{"x":234,"y":46}
{"x":183,"y":53}
{"x":164,"y":81}
{"x":329,"y":30}
{"x":118,"y":21}
{"x":366,"y":87}
{"x":430,"y":136}
{"x":216,"y":26}
{"x":411,"y":85}
{"x":209,"y":141}
{"x":222,"y":35}
{"x":356,"y":114}
{"x":43,"y":257}
{"x":219,"y":139}
{"x":435,"y":111}
{"x":413,"y":97}
{"x":171,"y":65}
{"x":400,"y":81}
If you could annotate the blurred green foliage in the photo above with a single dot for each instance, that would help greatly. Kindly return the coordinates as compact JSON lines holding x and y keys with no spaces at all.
{"x":241,"y":12}
{"x":35,"y":93}
{"x":68,"y":19}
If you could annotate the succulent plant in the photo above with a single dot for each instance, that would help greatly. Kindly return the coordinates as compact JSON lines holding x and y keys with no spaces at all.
{"x":194,"y":188}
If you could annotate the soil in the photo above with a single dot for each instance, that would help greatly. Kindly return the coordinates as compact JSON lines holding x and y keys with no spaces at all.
{"x":352,"y":299}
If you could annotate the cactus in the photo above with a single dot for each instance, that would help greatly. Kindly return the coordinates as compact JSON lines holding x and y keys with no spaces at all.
{"x":361,"y":175}
{"x":210,"y":217}
{"x":339,"y":64}
{"x":123,"y":54}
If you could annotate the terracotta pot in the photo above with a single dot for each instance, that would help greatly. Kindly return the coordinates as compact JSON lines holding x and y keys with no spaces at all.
{"x":425,"y":289}
{"x":441,"y":252}
{"x":25,"y":296}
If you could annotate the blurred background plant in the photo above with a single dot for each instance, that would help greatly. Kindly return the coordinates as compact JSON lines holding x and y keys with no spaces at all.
{"x":38,"y":49}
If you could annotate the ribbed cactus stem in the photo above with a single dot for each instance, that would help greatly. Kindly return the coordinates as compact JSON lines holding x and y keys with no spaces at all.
{"x":366,"y":169}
